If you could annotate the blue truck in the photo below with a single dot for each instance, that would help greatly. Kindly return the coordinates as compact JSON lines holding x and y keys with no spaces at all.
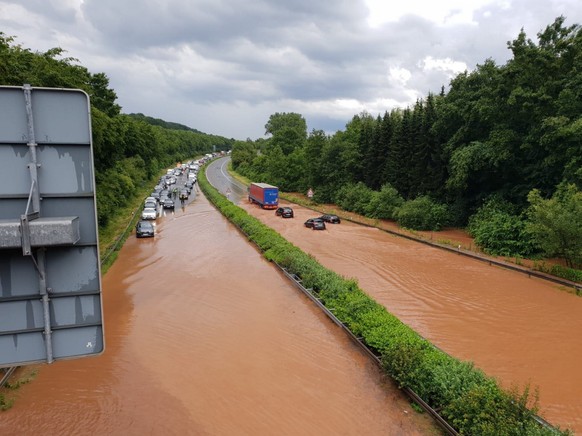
{"x":267,"y":196}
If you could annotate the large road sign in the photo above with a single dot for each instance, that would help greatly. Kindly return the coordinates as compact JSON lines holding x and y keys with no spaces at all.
{"x":50,"y":278}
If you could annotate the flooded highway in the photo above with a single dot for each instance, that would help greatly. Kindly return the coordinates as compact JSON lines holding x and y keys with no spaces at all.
{"x":520,"y":330}
{"x":204,"y":337}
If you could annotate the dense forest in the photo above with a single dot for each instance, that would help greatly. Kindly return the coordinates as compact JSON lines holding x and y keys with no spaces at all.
{"x":129,"y":150}
{"x":500,"y":152}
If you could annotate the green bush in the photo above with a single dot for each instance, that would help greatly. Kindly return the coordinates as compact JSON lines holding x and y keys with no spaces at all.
{"x":384,"y":204}
{"x":556,"y":223}
{"x":499,"y":231}
{"x":354,"y":197}
{"x":422,"y":213}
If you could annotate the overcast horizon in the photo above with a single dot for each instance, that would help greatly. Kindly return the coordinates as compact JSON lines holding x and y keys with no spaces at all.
{"x":223,"y":67}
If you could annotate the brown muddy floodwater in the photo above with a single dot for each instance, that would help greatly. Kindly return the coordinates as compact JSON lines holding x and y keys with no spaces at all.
{"x":518,"y":329}
{"x":204,"y":337}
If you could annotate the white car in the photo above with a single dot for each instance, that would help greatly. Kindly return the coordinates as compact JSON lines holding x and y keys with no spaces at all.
{"x":149,"y":213}
{"x":151,"y":200}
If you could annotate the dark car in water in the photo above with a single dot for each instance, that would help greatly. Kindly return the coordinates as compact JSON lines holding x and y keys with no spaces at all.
{"x":333,"y":219}
{"x":168,"y":203}
{"x":285,"y":212}
{"x":144,"y":229}
{"x":315,"y":224}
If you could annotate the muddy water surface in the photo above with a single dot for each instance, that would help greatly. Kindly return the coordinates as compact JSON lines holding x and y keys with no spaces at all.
{"x":518,"y":329}
{"x":203,"y":337}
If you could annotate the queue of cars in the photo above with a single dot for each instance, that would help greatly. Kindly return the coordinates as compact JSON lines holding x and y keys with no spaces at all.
{"x":164,"y":195}
{"x":312,"y":223}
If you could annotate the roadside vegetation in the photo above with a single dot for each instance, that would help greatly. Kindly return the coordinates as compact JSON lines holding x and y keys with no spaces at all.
{"x":21,"y":377}
{"x":471,"y":401}
{"x":500,"y":154}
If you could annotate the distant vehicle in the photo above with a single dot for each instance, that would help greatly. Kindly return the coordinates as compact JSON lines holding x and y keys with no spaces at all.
{"x":169,"y":204}
{"x":150,"y":204}
{"x":267,"y":196}
{"x":192,"y":177}
{"x":184,"y":194}
{"x":149,"y":213}
{"x":189,"y":184}
{"x":315,"y":224}
{"x":285,"y":212}
{"x":155,"y":195}
{"x":333,"y":219}
{"x":144,"y":229}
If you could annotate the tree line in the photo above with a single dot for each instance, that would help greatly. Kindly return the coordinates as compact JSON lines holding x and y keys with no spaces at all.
{"x":500,"y":152}
{"x":128,"y":150}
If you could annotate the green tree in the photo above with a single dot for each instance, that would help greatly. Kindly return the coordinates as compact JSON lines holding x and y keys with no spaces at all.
{"x":243,"y":153}
{"x":499,"y":229}
{"x":422,"y":213}
{"x":354,"y":197}
{"x":385,"y":203}
{"x":313,"y":150}
{"x":102,"y":97}
{"x":288,"y":130}
{"x":556,"y":223}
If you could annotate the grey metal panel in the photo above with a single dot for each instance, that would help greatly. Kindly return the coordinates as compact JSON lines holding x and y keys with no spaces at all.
{"x":18,"y":278}
{"x":61,"y":117}
{"x":72,"y":269}
{"x":75,"y":311}
{"x":78,"y":341}
{"x":14,"y":177}
{"x":21,"y":315}
{"x":12,"y":208}
{"x":65,"y":169}
{"x":12,"y":116}
{"x":25,"y":347}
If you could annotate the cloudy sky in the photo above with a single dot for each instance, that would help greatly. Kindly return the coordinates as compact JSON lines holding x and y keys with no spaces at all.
{"x":224,"y":66}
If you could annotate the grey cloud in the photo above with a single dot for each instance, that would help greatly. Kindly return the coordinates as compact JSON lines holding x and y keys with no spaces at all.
{"x":174,"y":59}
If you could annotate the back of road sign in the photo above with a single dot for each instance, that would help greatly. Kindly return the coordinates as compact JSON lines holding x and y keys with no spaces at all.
{"x":50,"y":278}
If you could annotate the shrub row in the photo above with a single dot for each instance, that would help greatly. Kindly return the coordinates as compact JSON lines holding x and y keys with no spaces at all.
{"x":472,"y":402}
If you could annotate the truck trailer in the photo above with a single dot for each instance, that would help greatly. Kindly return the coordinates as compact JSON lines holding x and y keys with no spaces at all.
{"x":267,"y":196}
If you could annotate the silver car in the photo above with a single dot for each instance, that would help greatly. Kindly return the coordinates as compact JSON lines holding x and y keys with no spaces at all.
{"x":149,"y":213}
